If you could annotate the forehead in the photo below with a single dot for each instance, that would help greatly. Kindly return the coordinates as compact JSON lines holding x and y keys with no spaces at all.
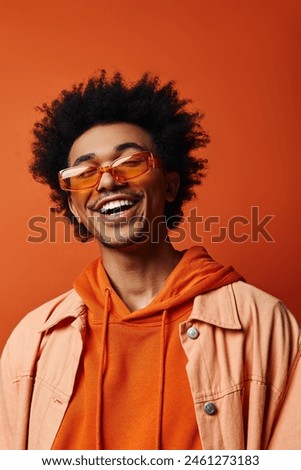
{"x":104,"y":139}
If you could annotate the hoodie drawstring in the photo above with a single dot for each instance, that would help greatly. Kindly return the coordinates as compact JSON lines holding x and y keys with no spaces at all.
{"x":161,"y":382}
{"x":99,"y":414}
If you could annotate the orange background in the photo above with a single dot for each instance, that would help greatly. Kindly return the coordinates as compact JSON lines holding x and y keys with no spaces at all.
{"x":239,"y":61}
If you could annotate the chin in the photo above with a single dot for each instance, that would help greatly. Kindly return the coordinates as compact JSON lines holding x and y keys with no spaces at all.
{"x":122,"y":235}
{"x":128,"y":243}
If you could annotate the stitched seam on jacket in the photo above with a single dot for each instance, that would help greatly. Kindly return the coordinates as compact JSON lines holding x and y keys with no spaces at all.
{"x":217,"y":396}
{"x":41,"y":381}
{"x":237,"y":388}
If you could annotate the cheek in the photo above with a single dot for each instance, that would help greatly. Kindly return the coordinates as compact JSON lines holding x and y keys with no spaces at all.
{"x":156,"y":197}
{"x":78,"y":202}
{"x":157,"y":183}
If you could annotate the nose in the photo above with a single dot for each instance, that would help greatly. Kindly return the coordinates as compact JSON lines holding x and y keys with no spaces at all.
{"x":106,"y":182}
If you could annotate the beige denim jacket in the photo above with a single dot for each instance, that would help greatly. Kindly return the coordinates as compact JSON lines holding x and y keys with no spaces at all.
{"x":243,"y":350}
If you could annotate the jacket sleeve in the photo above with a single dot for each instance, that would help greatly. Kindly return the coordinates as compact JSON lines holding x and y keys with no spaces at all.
{"x":8,"y":396}
{"x":16,"y":384}
{"x":287,"y":431}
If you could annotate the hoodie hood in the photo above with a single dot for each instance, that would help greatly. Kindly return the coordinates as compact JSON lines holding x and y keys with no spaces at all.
{"x":195,"y":274}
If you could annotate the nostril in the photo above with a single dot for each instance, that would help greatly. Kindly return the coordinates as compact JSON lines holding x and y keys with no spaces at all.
{"x":106,"y":181}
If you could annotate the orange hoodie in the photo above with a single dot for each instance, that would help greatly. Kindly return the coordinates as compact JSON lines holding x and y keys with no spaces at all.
{"x":131,"y":390}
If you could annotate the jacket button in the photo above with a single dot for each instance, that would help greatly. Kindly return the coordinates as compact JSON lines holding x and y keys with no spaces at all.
{"x":210,"y":408}
{"x":192,"y":333}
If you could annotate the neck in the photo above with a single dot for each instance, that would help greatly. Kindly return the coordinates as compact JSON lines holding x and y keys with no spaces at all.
{"x":137,"y":275}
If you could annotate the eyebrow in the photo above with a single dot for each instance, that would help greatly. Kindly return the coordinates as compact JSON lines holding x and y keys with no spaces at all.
{"x":118,"y":148}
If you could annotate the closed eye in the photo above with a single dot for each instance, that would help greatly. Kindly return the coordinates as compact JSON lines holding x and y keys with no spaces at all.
{"x":90,"y":171}
{"x":130,"y":163}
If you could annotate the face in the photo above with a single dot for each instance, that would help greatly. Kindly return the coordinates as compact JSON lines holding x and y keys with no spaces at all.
{"x":121,"y":214}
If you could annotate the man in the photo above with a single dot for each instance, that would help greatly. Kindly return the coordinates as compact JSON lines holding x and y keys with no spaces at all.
{"x":152,"y":348}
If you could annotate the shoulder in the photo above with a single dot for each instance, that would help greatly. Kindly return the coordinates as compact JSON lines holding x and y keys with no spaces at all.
{"x":35,"y":319}
{"x":249,"y":298}
{"x":253,"y":302}
{"x":26,"y":336}
{"x":265,"y":320}
{"x":244,"y":291}
{"x":240,"y":305}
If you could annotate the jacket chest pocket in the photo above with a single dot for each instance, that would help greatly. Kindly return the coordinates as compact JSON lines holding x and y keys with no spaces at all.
{"x":220,"y":420}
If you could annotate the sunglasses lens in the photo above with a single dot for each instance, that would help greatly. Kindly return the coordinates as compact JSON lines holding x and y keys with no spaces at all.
{"x":130,"y":167}
{"x":77,"y":178}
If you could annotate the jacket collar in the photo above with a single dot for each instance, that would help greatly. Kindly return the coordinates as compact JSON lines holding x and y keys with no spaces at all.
{"x":217,"y":307}
{"x":68,"y":306}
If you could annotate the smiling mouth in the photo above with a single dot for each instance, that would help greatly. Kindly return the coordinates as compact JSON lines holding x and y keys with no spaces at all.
{"x":116,"y":207}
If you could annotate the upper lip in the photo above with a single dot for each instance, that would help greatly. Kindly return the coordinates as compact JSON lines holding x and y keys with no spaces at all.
{"x":116,"y":197}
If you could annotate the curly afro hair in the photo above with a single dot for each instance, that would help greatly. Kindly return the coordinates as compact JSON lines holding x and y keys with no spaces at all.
{"x":156,"y":108}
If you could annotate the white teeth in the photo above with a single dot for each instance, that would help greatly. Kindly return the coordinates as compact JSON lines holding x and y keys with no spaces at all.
{"x":116,"y":204}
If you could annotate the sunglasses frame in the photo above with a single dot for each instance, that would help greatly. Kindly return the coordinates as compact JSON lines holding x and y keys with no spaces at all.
{"x":152,"y":162}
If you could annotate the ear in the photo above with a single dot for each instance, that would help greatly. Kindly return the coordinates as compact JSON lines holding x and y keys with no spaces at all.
{"x":73,"y":209}
{"x":173,"y":183}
